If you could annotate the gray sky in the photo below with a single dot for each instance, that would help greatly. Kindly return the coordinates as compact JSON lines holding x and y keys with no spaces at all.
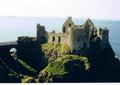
{"x":95,"y":9}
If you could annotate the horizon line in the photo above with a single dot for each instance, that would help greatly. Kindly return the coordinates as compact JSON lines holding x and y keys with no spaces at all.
{"x":73,"y":17}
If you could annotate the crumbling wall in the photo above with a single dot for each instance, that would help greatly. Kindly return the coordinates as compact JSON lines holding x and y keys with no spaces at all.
{"x":75,"y":36}
{"x":57,"y":37}
{"x":78,"y":39}
{"x":42,"y":36}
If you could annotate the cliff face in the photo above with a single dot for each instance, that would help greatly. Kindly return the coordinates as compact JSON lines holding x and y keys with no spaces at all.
{"x":53,"y":62}
{"x":104,"y":67}
{"x":29,"y":60}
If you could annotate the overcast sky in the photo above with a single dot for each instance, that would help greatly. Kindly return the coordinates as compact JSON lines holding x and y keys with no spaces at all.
{"x":96,"y":9}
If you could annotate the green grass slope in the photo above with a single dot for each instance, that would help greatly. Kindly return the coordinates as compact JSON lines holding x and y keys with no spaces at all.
{"x":65,"y":68}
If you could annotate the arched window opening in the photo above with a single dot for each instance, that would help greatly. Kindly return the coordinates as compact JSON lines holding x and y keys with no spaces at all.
{"x":63,"y":29}
{"x":59,"y":39}
{"x":100,"y":31}
{"x":69,"y":24}
{"x":53,"y":39}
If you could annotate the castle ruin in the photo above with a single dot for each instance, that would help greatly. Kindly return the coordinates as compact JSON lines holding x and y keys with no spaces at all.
{"x":76,"y":37}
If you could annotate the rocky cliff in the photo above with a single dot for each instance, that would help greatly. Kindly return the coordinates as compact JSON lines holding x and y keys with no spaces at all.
{"x":101,"y":64}
{"x":59,"y":65}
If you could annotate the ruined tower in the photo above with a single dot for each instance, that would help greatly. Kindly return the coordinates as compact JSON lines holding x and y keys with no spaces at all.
{"x":103,"y":33}
{"x":42,"y":36}
{"x":89,"y":31}
{"x":68,"y":23}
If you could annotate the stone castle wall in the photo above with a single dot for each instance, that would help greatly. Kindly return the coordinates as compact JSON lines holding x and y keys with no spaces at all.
{"x":103,"y":33}
{"x":75,"y":36}
{"x":59,"y":37}
{"x":78,"y":39}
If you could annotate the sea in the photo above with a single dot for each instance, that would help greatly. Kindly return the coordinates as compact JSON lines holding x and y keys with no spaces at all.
{"x":12,"y":27}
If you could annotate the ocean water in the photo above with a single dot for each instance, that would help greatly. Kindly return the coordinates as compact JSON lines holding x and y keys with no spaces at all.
{"x":12,"y":27}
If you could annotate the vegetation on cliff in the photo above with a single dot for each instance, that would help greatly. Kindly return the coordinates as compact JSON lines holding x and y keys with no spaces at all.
{"x":17,"y":76}
{"x":54,"y":50}
{"x":64,"y":67}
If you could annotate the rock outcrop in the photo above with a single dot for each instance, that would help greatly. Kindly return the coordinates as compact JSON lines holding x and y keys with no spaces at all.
{"x":104,"y":67}
{"x":69,"y":68}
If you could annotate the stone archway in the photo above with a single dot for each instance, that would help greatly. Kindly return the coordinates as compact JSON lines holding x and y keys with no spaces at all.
{"x":13,"y":53}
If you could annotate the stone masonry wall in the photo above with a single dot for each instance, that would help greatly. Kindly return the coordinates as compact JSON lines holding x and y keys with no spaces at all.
{"x":59,"y":37}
